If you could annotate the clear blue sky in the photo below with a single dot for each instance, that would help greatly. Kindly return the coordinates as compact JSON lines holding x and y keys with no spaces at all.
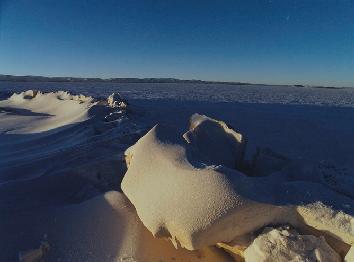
{"x":265,"y":41}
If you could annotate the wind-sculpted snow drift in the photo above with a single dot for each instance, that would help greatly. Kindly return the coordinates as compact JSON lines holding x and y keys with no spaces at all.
{"x":59,"y":142}
{"x":182,"y":191}
{"x":51,"y":110}
{"x":106,"y":228}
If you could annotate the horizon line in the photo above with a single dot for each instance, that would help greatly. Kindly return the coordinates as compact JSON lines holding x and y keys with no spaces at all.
{"x":173,"y":80}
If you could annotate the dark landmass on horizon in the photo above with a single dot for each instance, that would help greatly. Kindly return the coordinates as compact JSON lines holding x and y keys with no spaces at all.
{"x":30,"y":78}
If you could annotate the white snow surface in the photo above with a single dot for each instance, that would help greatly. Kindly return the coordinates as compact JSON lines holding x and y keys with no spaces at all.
{"x":106,"y":228}
{"x":42,"y":112}
{"x":277,"y":94}
{"x":58,"y":149}
{"x":283,"y":245}
{"x":178,"y":197}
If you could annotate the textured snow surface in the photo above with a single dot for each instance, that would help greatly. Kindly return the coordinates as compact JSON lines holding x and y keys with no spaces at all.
{"x":284,"y":118}
{"x":42,"y":112}
{"x":56,"y":137}
{"x":179,"y":198}
{"x":177,"y":195}
{"x":107,"y":228}
{"x":283,"y":244}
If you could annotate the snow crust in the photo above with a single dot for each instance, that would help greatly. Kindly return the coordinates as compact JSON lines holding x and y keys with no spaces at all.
{"x":284,"y":244}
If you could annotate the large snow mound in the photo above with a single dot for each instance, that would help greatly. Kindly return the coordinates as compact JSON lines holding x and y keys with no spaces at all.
{"x":78,"y":138}
{"x":205,"y":200}
{"x":107,"y":228}
{"x":198,"y":203}
{"x":33,"y":111}
{"x":51,"y":110}
{"x":283,"y":244}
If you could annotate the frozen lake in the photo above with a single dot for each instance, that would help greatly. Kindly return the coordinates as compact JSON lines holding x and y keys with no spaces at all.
{"x":301,"y":122}
{"x":343,"y":97}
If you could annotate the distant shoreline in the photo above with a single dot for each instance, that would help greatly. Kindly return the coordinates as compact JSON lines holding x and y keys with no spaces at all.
{"x":30,"y":78}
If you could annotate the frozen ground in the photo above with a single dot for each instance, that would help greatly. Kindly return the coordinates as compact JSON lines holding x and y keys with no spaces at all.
{"x":41,"y":172}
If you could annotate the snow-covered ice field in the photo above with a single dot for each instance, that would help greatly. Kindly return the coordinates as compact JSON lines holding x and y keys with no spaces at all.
{"x":342,"y":97}
{"x":308,"y":122}
{"x":57,"y":150}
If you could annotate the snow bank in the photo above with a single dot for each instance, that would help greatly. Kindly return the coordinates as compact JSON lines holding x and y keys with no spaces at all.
{"x":64,"y":136}
{"x":50,"y":110}
{"x":33,"y":111}
{"x":284,"y":244}
{"x":206,"y":201}
{"x":107,"y":228}
{"x":182,"y":191}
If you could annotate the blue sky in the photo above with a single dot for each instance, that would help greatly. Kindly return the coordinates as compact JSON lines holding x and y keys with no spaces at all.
{"x":273,"y":41}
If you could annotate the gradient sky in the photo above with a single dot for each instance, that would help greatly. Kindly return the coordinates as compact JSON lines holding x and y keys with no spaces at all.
{"x":273,"y":41}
